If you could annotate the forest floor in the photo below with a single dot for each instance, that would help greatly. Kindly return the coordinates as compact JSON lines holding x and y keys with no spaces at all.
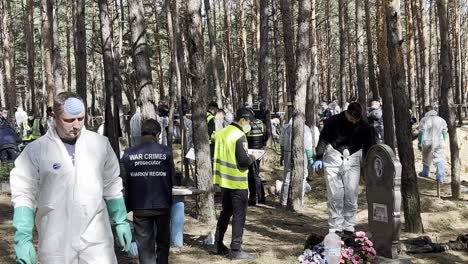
{"x":277,"y":236}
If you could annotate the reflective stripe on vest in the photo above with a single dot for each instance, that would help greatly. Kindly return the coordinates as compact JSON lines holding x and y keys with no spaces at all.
{"x":257,"y":129}
{"x":226,"y":173}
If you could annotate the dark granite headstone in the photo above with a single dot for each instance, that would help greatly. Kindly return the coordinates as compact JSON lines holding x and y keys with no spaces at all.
{"x":382,"y":171}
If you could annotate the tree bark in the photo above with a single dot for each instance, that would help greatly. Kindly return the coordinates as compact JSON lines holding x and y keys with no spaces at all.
{"x":385,"y":82}
{"x":447,"y":109}
{"x":410,"y":58}
{"x":410,"y":191}
{"x":56,"y":57}
{"x":420,"y":20}
{"x":9,"y":57}
{"x":227,"y":39}
{"x":288,"y":38}
{"x":246,"y":82}
{"x":205,"y":201}
{"x":313,"y":84}
{"x":141,"y":60}
{"x":47,"y":51}
{"x":110,"y":126}
{"x":158,"y":56}
{"x":213,"y":54}
{"x":80,"y":51}
{"x":30,"y":53}
{"x":295,"y":201}
{"x":361,"y":83}
{"x":342,"y":71}
{"x":370,"y":55}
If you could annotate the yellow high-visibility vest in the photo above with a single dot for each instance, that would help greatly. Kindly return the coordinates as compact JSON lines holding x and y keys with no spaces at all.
{"x":226,"y":172}
{"x":36,"y":131}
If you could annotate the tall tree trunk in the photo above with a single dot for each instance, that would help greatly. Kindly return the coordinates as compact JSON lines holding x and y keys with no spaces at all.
{"x":385,"y":81}
{"x":420,"y":15}
{"x":213,"y":54}
{"x":370,"y":55}
{"x":47,"y":50}
{"x":141,"y":60}
{"x":288,"y":39}
{"x":279,"y":95}
{"x":263,"y":56}
{"x":409,"y":190}
{"x":56,"y":57}
{"x":227,"y":39}
{"x":80,"y":51}
{"x":329,"y":40}
{"x":110,"y":126}
{"x":313,"y":83}
{"x":205,"y":201}
{"x":410,"y":58}
{"x":9,"y":57}
{"x":351,"y":91}
{"x":447,"y":109}
{"x":246,"y":74}
{"x":457,"y":58}
{"x":295,"y":201}
{"x":69,"y":25}
{"x":157,"y":53}
{"x":342,"y":72}
{"x":361,"y":83}
{"x":30,"y":54}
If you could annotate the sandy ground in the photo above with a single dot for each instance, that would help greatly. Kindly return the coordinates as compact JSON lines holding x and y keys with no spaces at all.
{"x":277,"y":236}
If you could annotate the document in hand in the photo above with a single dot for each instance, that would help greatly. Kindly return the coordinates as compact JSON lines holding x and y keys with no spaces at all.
{"x":257,"y":153}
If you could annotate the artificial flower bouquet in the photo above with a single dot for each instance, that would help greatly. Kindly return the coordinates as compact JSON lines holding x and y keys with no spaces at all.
{"x":356,"y":249}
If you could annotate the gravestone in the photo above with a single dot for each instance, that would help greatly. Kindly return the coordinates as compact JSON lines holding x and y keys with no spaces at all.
{"x":382,"y":171}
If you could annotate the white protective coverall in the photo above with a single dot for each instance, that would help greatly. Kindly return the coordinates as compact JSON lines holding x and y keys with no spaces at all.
{"x":285,"y":142}
{"x":71,"y":217}
{"x":135,"y":128}
{"x":433,"y":127}
{"x":342,"y":172}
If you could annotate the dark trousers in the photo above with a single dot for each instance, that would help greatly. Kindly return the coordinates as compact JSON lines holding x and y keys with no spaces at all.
{"x":235,"y":205}
{"x":8,"y":154}
{"x":153,"y":227}
{"x":256,"y":191}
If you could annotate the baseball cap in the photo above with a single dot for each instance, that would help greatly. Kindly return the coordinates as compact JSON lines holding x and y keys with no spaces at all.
{"x":246,"y":113}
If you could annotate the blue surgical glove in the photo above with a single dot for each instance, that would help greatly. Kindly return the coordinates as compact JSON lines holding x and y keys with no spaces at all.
{"x":317,"y":165}
{"x":23,"y":224}
{"x":444,"y":134}
{"x":118,"y":213}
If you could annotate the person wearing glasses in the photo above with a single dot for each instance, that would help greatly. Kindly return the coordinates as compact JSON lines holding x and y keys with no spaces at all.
{"x":343,"y":143}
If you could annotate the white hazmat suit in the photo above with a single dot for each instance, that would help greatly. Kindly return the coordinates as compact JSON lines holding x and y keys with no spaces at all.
{"x":285,"y":142}
{"x":342,"y":172}
{"x":69,"y":199}
{"x":432,"y":128}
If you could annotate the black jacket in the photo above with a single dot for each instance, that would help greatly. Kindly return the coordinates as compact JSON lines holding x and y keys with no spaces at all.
{"x":342,"y":134}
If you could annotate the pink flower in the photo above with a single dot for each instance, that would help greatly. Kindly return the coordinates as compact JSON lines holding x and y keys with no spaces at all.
{"x":346,"y":253}
{"x":356,"y":259}
{"x":369,"y":243}
{"x":361,"y":234}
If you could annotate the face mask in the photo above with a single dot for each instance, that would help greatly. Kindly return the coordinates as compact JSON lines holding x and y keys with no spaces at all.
{"x":246,"y":128}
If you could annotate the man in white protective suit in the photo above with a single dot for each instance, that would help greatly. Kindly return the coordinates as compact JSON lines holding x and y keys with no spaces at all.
{"x":69,"y":181}
{"x":432,"y":132}
{"x":286,"y":148}
{"x":344,"y":140}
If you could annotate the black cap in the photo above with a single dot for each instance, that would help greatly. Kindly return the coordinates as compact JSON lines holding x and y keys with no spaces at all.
{"x":245,"y":113}
{"x":213,"y":104}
